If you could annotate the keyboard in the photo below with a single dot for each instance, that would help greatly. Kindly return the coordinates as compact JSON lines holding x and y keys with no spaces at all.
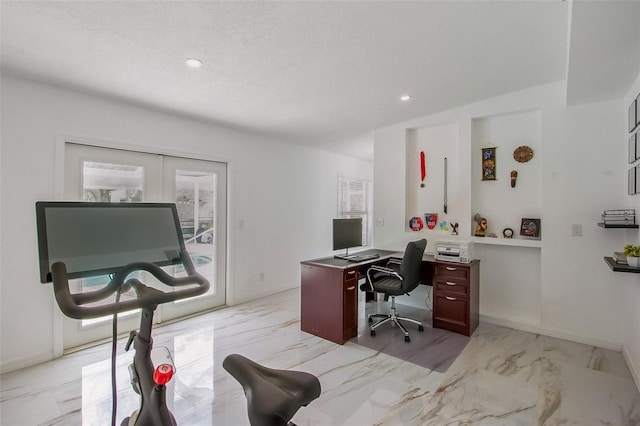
{"x":362,"y":258}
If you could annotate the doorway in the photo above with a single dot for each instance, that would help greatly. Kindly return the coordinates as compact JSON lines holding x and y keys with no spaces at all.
{"x":199,"y":189}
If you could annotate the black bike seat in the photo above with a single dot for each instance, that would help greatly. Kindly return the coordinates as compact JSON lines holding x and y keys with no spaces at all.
{"x":273,"y":396}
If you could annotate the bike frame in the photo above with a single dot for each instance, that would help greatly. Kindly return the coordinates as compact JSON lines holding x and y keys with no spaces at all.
{"x":153,"y":406}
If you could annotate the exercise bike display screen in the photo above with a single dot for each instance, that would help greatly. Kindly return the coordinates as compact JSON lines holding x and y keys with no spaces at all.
{"x":100,"y":238}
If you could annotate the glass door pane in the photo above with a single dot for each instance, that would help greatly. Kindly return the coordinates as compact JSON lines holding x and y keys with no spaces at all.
{"x":196,"y":203}
{"x":199,"y":190}
{"x":97,"y":174}
{"x":106,"y":182}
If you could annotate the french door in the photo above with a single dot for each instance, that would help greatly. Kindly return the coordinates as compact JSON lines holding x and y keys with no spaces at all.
{"x":199,"y":190}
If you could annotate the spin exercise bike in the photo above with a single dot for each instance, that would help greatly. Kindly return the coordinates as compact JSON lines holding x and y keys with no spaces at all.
{"x":81,"y":240}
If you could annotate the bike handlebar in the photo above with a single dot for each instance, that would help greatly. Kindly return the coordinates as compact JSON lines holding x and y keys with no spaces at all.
{"x":71,"y":304}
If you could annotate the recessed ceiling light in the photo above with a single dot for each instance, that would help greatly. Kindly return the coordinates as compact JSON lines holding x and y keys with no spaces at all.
{"x":193,"y":62}
{"x":405,"y":98}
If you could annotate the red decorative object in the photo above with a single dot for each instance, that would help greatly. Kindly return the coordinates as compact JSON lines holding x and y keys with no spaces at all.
{"x":416,"y":223}
{"x":431,"y":219}
{"x":423,"y":168}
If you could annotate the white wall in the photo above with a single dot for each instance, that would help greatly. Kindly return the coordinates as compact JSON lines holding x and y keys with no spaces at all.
{"x":285,"y":194}
{"x":631,"y":283}
{"x":561,"y":286}
{"x":583,"y":175}
{"x":507,"y":132}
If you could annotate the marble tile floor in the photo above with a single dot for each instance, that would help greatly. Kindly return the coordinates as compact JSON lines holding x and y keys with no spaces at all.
{"x":502,"y":377}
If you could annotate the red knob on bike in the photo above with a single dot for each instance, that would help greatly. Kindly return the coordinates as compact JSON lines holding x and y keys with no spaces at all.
{"x":163,"y":373}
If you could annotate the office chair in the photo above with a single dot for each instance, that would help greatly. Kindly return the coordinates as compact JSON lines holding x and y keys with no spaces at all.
{"x":396,"y":282}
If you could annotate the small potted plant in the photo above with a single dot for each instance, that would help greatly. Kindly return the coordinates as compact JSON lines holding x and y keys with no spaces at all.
{"x":633,"y":255}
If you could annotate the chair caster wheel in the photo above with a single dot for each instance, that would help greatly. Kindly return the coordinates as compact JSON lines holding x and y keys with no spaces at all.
{"x":373,"y":333}
{"x":370,"y":320}
{"x":407,"y":339}
{"x":420,"y":328}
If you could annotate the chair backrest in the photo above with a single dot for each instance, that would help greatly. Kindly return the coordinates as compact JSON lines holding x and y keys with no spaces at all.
{"x":412,"y":264}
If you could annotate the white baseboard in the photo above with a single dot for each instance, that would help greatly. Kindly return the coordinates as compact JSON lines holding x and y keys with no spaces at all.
{"x":256,"y":296}
{"x":518,"y":325}
{"x":635,"y":369}
{"x":29,"y":361}
{"x":587,"y":340}
{"x":535,"y":328}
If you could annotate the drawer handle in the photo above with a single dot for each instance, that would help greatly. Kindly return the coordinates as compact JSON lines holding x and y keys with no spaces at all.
{"x":451,"y":268}
{"x":351,"y":272}
{"x":351,"y":288}
{"x":450,"y":298}
{"x":450,"y":283}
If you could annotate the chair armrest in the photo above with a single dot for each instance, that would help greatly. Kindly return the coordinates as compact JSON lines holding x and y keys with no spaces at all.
{"x":380,"y":269}
{"x":394,"y":262}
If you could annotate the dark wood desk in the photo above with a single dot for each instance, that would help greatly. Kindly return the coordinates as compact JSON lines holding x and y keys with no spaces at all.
{"x":329,"y":294}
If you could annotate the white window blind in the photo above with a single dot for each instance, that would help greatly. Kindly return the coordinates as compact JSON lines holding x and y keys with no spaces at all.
{"x":354,"y":202}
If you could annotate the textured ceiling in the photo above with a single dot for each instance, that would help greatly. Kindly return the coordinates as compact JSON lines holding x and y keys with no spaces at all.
{"x":322,"y":74}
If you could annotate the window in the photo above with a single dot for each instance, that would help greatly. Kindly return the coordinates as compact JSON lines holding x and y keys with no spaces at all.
{"x":354,"y":201}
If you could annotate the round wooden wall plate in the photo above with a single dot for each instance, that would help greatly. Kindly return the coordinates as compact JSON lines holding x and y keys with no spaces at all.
{"x":522,"y":154}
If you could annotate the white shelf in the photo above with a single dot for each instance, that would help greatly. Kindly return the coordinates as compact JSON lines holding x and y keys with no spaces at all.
{"x":513,"y":242}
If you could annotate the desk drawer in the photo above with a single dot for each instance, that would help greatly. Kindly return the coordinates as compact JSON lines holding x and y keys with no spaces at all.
{"x":451,"y":313}
{"x":452,"y":287}
{"x":457,"y":272}
{"x":350,"y":276}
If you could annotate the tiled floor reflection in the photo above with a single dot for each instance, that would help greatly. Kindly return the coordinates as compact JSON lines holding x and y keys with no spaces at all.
{"x":502,"y":377}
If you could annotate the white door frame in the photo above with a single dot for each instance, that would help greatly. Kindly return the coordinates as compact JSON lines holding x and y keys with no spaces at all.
{"x":59,"y":159}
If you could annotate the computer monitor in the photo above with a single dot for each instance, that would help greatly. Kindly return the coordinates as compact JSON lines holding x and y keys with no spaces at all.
{"x":100,"y":238}
{"x":347,"y":233}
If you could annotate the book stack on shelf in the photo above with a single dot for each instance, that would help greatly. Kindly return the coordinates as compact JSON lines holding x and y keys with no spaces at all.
{"x":619,"y":258}
{"x":619,"y":217}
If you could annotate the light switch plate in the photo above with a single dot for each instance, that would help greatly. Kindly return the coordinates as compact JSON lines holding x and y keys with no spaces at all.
{"x":576,"y":230}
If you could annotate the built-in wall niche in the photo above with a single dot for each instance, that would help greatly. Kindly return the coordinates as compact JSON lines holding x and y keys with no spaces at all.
{"x":496,"y":200}
{"x":428,"y":196}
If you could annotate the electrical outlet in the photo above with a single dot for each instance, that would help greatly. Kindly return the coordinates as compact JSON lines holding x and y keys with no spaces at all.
{"x":380,"y":222}
{"x":261,"y":276}
{"x":576,"y":230}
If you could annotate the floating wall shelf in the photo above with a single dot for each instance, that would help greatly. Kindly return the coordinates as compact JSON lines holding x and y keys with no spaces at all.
{"x":617,"y":267}
{"x":514,"y":242}
{"x":610,"y":226}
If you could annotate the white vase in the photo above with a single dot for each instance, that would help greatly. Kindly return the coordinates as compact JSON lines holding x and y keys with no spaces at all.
{"x":633,"y":261}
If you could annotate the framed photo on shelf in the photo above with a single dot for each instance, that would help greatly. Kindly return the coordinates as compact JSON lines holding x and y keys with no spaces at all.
{"x":632,"y":181}
{"x":530,"y":228}
{"x":633,"y":148}
{"x":489,"y":163}
{"x":633,"y":115}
